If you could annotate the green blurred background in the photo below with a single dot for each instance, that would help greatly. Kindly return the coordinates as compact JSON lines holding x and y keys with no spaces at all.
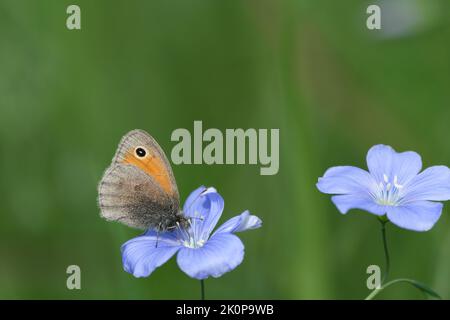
{"x":310,"y":68}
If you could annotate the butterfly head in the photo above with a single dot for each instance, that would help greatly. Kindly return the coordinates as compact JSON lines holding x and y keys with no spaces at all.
{"x":183,"y":221}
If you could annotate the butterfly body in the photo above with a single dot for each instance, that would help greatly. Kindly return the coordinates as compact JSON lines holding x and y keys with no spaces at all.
{"x":139,"y":189}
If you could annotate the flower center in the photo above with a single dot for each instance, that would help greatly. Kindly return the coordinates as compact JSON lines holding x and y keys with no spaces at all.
{"x":188,"y":236}
{"x":192,"y":243}
{"x":388,"y":192}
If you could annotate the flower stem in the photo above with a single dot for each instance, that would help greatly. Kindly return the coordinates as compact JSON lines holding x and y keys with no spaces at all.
{"x":420,"y":286}
{"x":202,"y":288}
{"x":386,"y":251}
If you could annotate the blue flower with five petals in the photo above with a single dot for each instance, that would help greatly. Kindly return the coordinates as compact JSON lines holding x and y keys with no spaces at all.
{"x":200,"y":254}
{"x":392,"y":187}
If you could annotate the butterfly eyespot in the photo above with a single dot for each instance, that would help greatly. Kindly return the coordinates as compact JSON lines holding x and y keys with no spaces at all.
{"x":140,"y":152}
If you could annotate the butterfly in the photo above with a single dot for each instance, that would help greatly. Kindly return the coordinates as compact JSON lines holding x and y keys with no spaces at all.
{"x":139,"y":189}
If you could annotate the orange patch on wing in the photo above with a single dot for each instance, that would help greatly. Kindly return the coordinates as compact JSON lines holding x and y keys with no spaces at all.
{"x":154,"y":167}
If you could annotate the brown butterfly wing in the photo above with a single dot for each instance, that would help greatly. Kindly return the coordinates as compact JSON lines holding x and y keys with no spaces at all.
{"x":128,"y":195}
{"x":155,"y":165}
{"x":139,"y":191}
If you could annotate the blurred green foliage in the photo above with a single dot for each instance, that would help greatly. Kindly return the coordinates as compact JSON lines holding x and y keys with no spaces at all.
{"x":310,"y":68}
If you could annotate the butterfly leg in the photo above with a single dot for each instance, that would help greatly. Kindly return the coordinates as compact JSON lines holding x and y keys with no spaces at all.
{"x":157,"y":235}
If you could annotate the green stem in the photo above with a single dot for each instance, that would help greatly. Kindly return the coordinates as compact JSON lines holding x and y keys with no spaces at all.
{"x":386,"y":251}
{"x":202,"y":288}
{"x":424,"y":289}
{"x":418,"y":285}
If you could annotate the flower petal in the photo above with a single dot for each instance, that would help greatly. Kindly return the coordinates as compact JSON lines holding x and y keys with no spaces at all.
{"x":353,"y":201}
{"x":385,"y":163}
{"x":406,"y":165}
{"x":205,"y":210}
{"x":141,"y":256}
{"x":345,"y":180}
{"x":379,"y":161}
{"x":417,"y":216}
{"x":431,"y":184}
{"x":242,"y":222}
{"x":192,"y":197}
{"x":221,"y":253}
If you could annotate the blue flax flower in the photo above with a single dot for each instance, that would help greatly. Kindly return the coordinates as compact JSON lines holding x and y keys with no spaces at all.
{"x":393,"y":186}
{"x":200,"y":254}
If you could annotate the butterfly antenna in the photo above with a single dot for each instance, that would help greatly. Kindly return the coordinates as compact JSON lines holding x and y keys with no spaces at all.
{"x":199,"y":218}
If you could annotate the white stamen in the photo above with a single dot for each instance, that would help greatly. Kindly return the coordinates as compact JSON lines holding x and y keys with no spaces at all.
{"x":396,"y":184}
{"x":189,"y":238}
{"x":388,"y":193}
